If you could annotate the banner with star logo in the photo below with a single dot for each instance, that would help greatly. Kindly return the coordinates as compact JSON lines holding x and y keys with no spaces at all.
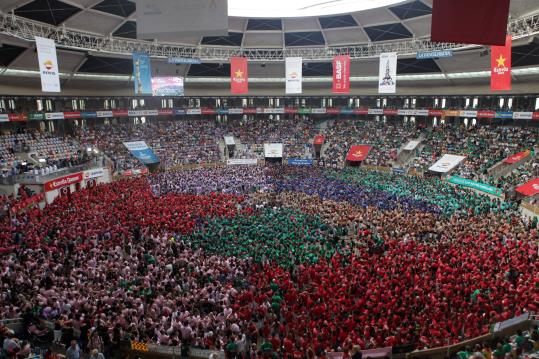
{"x":358,"y":153}
{"x":500,"y":66}
{"x":239,"y":77}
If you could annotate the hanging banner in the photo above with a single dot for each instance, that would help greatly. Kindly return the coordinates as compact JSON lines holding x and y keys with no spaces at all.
{"x":294,"y":75}
{"x":459,"y":181}
{"x":54,"y":116}
{"x":500,"y":66}
{"x":48,"y":65}
{"x":522,"y":115}
{"x":341,"y":74}
{"x":517,"y":157}
{"x":239,"y":76}
{"x":446,"y":163}
{"x":358,"y":153}
{"x":300,"y":162}
{"x":486,"y":114}
{"x":530,"y":188}
{"x":387,"y":75}
{"x":142,"y":73}
{"x":142,"y":152}
{"x":319,"y":139}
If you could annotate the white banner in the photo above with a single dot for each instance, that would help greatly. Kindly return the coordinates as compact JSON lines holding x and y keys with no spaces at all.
{"x":376,"y":111}
{"x":387,"y":75}
{"x":242,"y":161}
{"x":273,"y":150}
{"x":318,"y":111}
{"x":411,"y":145}
{"x":132,"y":113}
{"x":48,"y":65}
{"x":4,"y":118}
{"x":403,"y":112}
{"x":94,"y":173}
{"x":522,"y":115}
{"x":269,"y":110}
{"x":446,"y":163}
{"x":102,"y":114}
{"x":54,"y":116}
{"x":294,"y":75}
{"x":194,"y":111}
{"x":235,"y":111}
{"x":421,"y":112}
{"x":229,"y":140}
{"x":468,"y":113}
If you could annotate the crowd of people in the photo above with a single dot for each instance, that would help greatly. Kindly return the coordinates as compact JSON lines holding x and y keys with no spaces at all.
{"x":289,"y":260}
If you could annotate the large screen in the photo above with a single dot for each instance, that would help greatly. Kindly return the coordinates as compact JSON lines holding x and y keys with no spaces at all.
{"x":167,"y":86}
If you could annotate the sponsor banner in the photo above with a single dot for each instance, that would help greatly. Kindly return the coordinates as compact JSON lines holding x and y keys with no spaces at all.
{"x":341,"y":74}
{"x":421,"y":112}
{"x":63,"y":181}
{"x":167,"y":86}
{"x":4,"y":118}
{"x":142,"y":73}
{"x":387,"y":74}
{"x":446,"y":163}
{"x":358,"y":153}
{"x":48,"y":65}
{"x":436,"y":113}
{"x":294,"y":75}
{"x":517,"y":157}
{"x":530,"y":188}
{"x":319,"y":139}
{"x":273,"y":150}
{"x":398,"y":170}
{"x":452,"y":113}
{"x":270,"y":110}
{"x":72,"y":114}
{"x":239,"y":75}
{"x":36,"y":116}
{"x":500,"y":66}
{"x":54,"y":116}
{"x":486,"y":114}
{"x":390,"y":112}
{"x":249,"y":110}
{"x":410,"y":146}
{"x":165,"y":112}
{"x":18,"y":117}
{"x":535,"y":116}
{"x":333,"y":111}
{"x":259,"y":110}
{"x":94,"y":173}
{"x":229,"y":140}
{"x":468,"y":113}
{"x":304,"y":111}
{"x":291,"y":110}
{"x":300,"y":162}
{"x":141,"y":151}
{"x":183,"y":61}
{"x":318,"y":111}
{"x":475,"y":185}
{"x":235,"y":111}
{"x":88,"y":114}
{"x":375,"y":111}
{"x":179,"y":112}
{"x":135,"y":172}
{"x":504,"y":114}
{"x":104,"y":114}
{"x":522,"y":115}
{"x":242,"y":161}
{"x":208,"y":111}
{"x":120,"y":113}
{"x":433,"y":54}
{"x":222,"y":111}
{"x":405,"y":112}
{"x":194,"y":111}
{"x":360,"y":111}
{"x":346,"y":111}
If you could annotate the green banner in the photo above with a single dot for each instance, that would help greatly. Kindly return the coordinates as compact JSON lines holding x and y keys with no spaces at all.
{"x":36,"y":116}
{"x":304,"y":111}
{"x":475,"y":185}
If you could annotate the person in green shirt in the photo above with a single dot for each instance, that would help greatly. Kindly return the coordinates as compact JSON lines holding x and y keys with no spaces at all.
{"x":498,"y":353}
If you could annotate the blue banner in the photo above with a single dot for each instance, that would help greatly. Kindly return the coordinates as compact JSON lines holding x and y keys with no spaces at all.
{"x":142,"y":73}
{"x":347,"y":111}
{"x":504,"y":114}
{"x":142,"y":152}
{"x":222,"y":111}
{"x":179,"y":111}
{"x":398,"y":170}
{"x":433,"y":54}
{"x":300,"y":162}
{"x":184,"y":61}
{"x":88,"y":114}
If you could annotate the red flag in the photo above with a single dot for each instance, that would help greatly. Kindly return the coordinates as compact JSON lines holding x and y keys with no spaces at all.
{"x":239,"y":76}
{"x":341,"y":74}
{"x":358,"y":153}
{"x":319,"y":139}
{"x":530,"y":188}
{"x":517,"y":157}
{"x":500,"y":66}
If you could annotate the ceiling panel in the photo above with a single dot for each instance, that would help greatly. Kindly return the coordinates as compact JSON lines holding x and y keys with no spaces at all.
{"x":107,"y":65}
{"x":8,"y":53}
{"x":52,"y":12}
{"x":414,"y":66}
{"x":345,"y":36}
{"x":122,"y":8}
{"x":236,"y":24}
{"x":233,"y":39}
{"x":301,"y":24}
{"x":261,"y":39}
{"x":465,"y":61}
{"x":526,"y":55}
{"x":67,"y":60}
{"x":127,"y":30}
{"x":374,"y":17}
{"x":420,"y":27}
{"x":209,"y":70}
{"x":94,"y":22}
{"x":331,"y":22}
{"x":410,"y":10}
{"x":387,"y":32}
{"x":264,"y":24}
{"x":311,"y":38}
{"x":8,"y":5}
{"x":317,"y":69}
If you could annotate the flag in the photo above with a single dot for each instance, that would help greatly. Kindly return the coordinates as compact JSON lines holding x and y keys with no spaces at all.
{"x":142,"y":73}
{"x":341,"y":74}
{"x":358,"y":153}
{"x":387,"y":74}
{"x":294,"y":75}
{"x":239,"y":76}
{"x":48,"y":65}
{"x":500,"y":66}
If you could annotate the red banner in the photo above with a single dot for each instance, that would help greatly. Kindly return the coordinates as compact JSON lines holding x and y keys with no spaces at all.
{"x":390,"y":112}
{"x":207,"y":111}
{"x":436,"y":113}
{"x":333,"y":110}
{"x":28,"y":202}
{"x":361,"y":111}
{"x":120,"y":113}
{"x":249,"y":110}
{"x":535,"y":116}
{"x":165,"y":112}
{"x":71,"y":114}
{"x":358,"y":153}
{"x":63,"y":181}
{"x":500,"y":66}
{"x":239,"y":76}
{"x":341,"y":74}
{"x":486,"y":114}
{"x":20,"y":117}
{"x":319,"y":139}
{"x":529,"y":189}
{"x":291,"y":110}
{"x":517,"y":157}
